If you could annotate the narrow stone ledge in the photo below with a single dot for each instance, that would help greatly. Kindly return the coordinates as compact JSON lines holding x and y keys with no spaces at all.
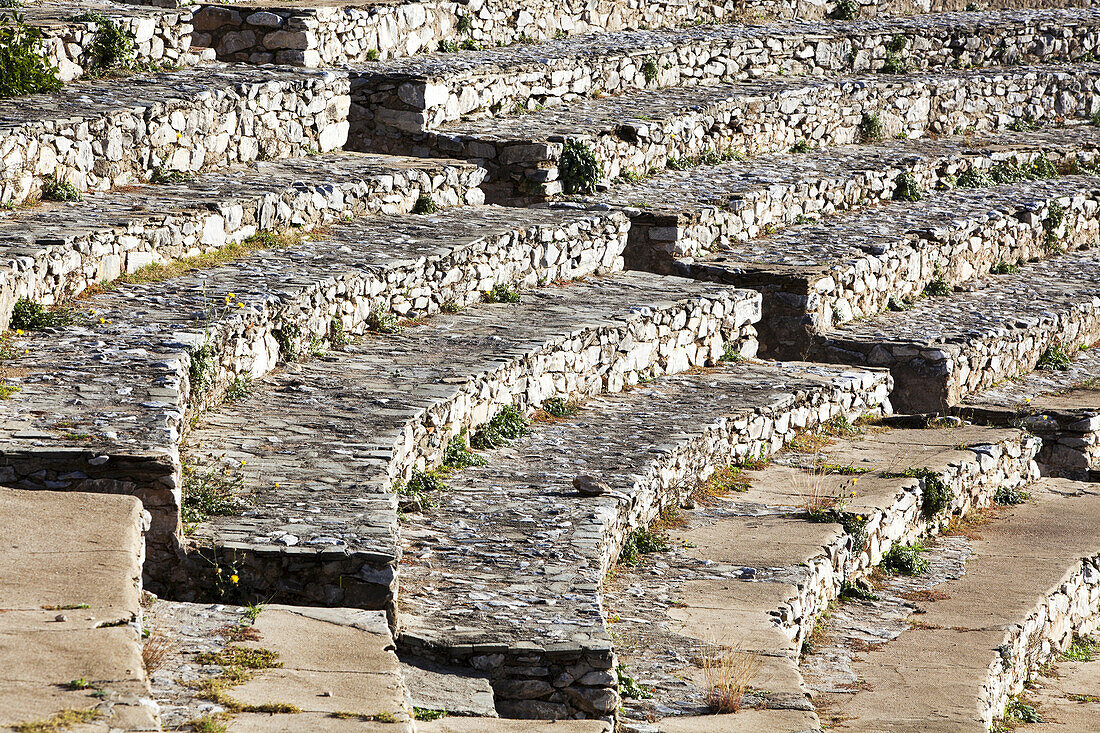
{"x":507,"y":577}
{"x":821,"y":276}
{"x":116,"y":232}
{"x":1062,"y":406}
{"x":322,"y":523}
{"x":751,"y":567}
{"x":414,"y":95}
{"x":650,"y":129}
{"x":160,"y":37}
{"x":945,"y":348}
{"x":142,"y":359}
{"x":102,"y":134}
{"x":685,"y":214}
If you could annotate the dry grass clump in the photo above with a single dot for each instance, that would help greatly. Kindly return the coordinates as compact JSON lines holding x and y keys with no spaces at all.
{"x":156,"y":650}
{"x":727,"y":674}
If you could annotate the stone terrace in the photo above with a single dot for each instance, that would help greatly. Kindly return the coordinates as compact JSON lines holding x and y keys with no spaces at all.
{"x":101,"y":134}
{"x":423,"y":93}
{"x":120,"y":231}
{"x":1061,"y":405}
{"x":650,"y":129}
{"x":508,"y":579}
{"x":160,"y":37}
{"x":682,"y":214}
{"x":944,"y":348}
{"x":322,"y":522}
{"x":819,"y":276}
{"x":111,"y":393}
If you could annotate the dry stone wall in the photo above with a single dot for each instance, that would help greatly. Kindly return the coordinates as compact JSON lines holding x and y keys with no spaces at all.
{"x":120,"y":131}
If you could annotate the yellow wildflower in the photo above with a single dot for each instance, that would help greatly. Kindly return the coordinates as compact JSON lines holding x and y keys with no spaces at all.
{"x":234,"y":579}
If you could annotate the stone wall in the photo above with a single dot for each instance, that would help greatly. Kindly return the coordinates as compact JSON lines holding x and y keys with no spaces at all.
{"x":159,"y":39}
{"x":647,"y":130}
{"x":119,"y":131}
{"x":414,"y":95}
{"x":183,"y":220}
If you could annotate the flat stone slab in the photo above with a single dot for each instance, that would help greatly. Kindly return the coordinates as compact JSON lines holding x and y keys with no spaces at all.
{"x":321,"y":521}
{"x":748,"y":571}
{"x":946,"y":671}
{"x":514,"y":573}
{"x":70,"y":577}
{"x":944,"y":348}
{"x":821,"y":276}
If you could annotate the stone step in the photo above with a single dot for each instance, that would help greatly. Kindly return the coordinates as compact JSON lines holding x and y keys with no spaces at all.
{"x":321,"y":522}
{"x":102,"y":402}
{"x":753,"y":571}
{"x":423,"y":93}
{"x":506,"y":577}
{"x":70,"y":581}
{"x":1058,"y":402}
{"x":1067,"y":694}
{"x":944,"y":348}
{"x":54,"y":251}
{"x":821,"y":276}
{"x":1027,"y":582}
{"x":650,"y":130}
{"x":680,"y":215}
{"x":335,"y":665}
{"x":71,"y":33}
{"x":101,"y":134}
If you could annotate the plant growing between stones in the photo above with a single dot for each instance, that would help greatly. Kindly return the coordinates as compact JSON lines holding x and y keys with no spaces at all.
{"x":210,"y":493}
{"x":59,"y":721}
{"x":905,"y":559}
{"x":24,"y":67}
{"x":112,"y":47}
{"x":425,"y":204}
{"x":30,"y":316}
{"x":1056,"y":214}
{"x":628,"y":686}
{"x":801,"y":146}
{"x":463,"y":25}
{"x":163,"y":176}
{"x":287,"y":336}
{"x":239,"y":389}
{"x":870,"y":128}
{"x":1054,"y":358}
{"x":447,"y":46}
{"x":1019,"y":710}
{"x":383,"y":322}
{"x":471,"y":45}
{"x":1082,"y":649}
{"x":1004,"y":268}
{"x":559,"y":407}
{"x":428,"y":714}
{"x":727,"y":674}
{"x":507,"y":425}
{"x":845,"y":10}
{"x":649,"y":71}
{"x":458,"y":455}
{"x":640,"y":542}
{"x":501,"y":293}
{"x":56,"y":189}
{"x":1010,"y":496}
{"x":578,"y":168}
{"x":906,"y":188}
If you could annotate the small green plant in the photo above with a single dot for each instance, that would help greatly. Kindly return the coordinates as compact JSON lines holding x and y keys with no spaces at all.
{"x":372,"y":54}
{"x":470,"y":44}
{"x":578,"y":168}
{"x":906,"y":188}
{"x":239,"y":389}
{"x":1027,"y":123}
{"x":628,"y":686}
{"x":1056,"y":214}
{"x":163,"y":176}
{"x":507,"y":425}
{"x":649,"y":71}
{"x":937,"y":287}
{"x":1018,"y":710}
{"x":80,"y":684}
{"x":458,"y":454}
{"x":845,"y":10}
{"x":559,"y":407}
{"x":731,"y":353}
{"x":56,"y":189}
{"x":850,"y":591}
{"x":641,"y":542}
{"x":425,"y":204}
{"x":24,"y":66}
{"x":1009,"y":496}
{"x":30,"y":316}
{"x":447,"y":46}
{"x":936,"y":495}
{"x":425,"y":482}
{"x":801,"y":146}
{"x":201,"y":371}
{"x":870,"y":128}
{"x":288,"y":336}
{"x":59,"y":721}
{"x":501,"y":293}
{"x":463,"y":25}
{"x":112,"y":46}
{"x":336,"y":334}
{"x":210,"y":493}
{"x":905,"y":559}
{"x":1054,"y":358}
{"x":894,"y":64}
{"x":428,"y":714}
{"x":383,"y":321}
{"x":1004,"y":268}
{"x":973,"y":178}
{"x":1083,"y":649}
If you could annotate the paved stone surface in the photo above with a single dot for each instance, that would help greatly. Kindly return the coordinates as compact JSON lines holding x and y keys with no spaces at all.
{"x":54,"y":251}
{"x":70,"y":577}
{"x":1066,"y":697}
{"x":509,"y":581}
{"x":962,"y":658}
{"x":321,"y":526}
{"x":820,"y":276}
{"x":103,"y":402}
{"x":944,"y":348}
{"x":748,"y":571}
